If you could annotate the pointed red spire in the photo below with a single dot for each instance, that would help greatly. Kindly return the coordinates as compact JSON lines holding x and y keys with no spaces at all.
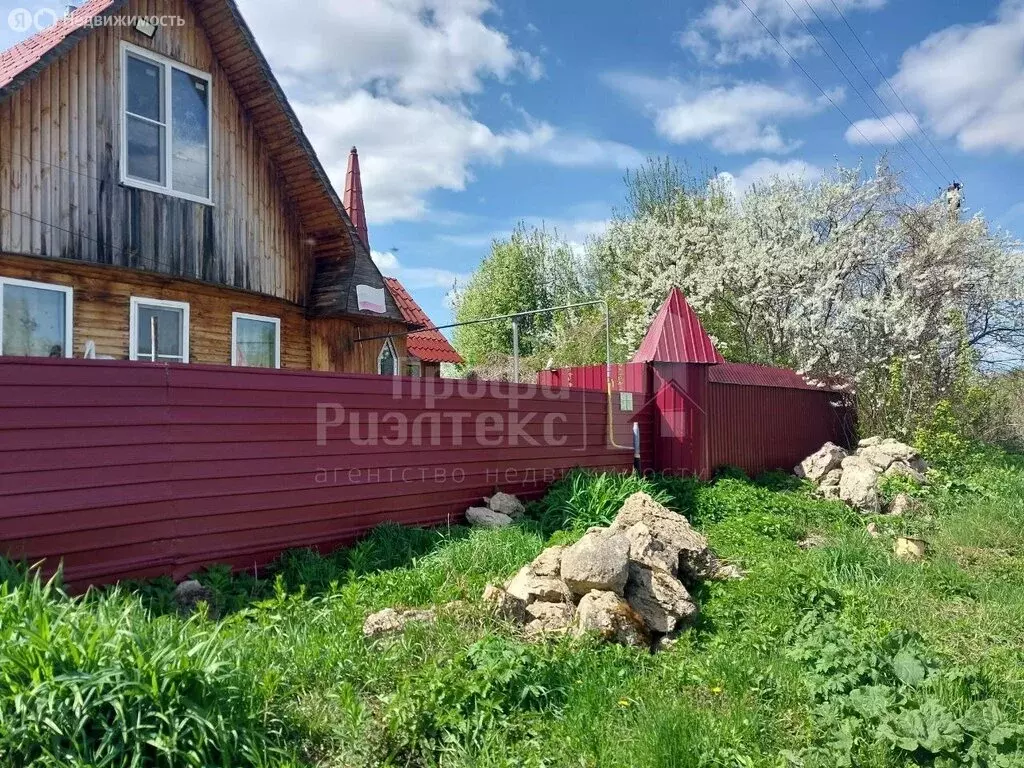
{"x":676,"y":336}
{"x":354,"y":197}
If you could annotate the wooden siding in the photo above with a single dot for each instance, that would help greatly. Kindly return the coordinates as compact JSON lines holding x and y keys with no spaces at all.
{"x":139,"y":469}
{"x":60,"y":141}
{"x":334,"y":347}
{"x":101,"y":309}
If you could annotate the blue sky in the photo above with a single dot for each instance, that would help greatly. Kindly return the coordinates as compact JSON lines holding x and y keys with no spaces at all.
{"x":472,"y":115}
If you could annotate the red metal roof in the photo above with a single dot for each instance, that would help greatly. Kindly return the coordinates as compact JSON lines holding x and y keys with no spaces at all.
{"x":430,"y":346}
{"x":19,"y":58}
{"x":676,"y":336}
{"x":753,"y":375}
{"x":353,"y":199}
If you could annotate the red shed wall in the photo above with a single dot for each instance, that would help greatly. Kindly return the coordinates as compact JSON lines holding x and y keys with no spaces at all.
{"x":757,"y":428}
{"x":134,"y":469}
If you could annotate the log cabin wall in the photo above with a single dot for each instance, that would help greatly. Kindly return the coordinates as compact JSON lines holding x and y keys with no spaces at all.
{"x":333,"y":344}
{"x":60,"y":149}
{"x":101,"y":310}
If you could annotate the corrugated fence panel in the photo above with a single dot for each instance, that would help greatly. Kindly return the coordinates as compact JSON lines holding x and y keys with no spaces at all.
{"x":132,"y":469}
{"x":762,"y":428}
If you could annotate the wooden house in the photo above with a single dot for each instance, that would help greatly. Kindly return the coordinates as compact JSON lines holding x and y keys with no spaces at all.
{"x":160,"y":201}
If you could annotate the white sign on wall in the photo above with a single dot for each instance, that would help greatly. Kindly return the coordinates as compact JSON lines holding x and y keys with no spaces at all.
{"x":371,"y":299}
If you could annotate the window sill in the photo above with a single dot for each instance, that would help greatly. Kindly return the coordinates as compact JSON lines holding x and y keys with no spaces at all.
{"x":156,"y":188}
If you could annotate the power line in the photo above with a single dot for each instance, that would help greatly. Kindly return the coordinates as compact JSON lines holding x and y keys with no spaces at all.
{"x":907,"y":134}
{"x":816,"y":85}
{"x":893,"y":90}
{"x":861,"y":95}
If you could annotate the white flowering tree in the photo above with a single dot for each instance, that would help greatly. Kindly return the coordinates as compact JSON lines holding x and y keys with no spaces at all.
{"x":838,"y":278}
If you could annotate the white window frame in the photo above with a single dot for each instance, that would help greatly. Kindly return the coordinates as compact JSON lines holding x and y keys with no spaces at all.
{"x":415,"y":368}
{"x":165,"y":65}
{"x":69,"y":308}
{"x":133,"y":324}
{"x":388,"y":344}
{"x":236,"y":316}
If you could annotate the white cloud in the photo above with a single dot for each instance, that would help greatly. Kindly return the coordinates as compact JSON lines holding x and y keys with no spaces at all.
{"x":414,"y":278}
{"x":402,"y":48}
{"x":743,"y":117}
{"x":891,"y":129}
{"x":393,"y":77}
{"x":765,"y":169}
{"x":726,"y":32}
{"x":969,"y":81}
{"x":408,"y":150}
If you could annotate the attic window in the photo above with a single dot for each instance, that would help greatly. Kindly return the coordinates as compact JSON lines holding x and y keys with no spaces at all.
{"x":165,"y":125}
{"x":387,"y":361}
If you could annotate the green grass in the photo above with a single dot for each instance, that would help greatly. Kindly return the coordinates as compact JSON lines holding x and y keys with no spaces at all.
{"x":838,"y":655}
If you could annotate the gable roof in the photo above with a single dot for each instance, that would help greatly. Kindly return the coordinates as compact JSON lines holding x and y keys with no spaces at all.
{"x":317,"y":204}
{"x":676,"y":336}
{"x":430,"y":345}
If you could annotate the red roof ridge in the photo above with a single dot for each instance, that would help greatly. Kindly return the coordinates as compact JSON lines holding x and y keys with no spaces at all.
{"x":429,"y":345}
{"x":26,"y":54}
{"x":677,"y":336}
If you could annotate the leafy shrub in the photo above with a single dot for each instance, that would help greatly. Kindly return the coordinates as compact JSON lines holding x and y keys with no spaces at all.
{"x":584,"y":498}
{"x":888,"y":693}
{"x":95,"y":681}
{"x":454,"y":704}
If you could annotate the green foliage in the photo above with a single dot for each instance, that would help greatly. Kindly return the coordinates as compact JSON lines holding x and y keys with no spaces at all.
{"x":487,"y":687}
{"x":836,"y":655}
{"x":95,"y":681}
{"x":532,"y":269}
{"x":584,"y":498}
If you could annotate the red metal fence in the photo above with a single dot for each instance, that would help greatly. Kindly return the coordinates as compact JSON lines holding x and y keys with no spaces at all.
{"x":704,"y":417}
{"x":131,"y":469}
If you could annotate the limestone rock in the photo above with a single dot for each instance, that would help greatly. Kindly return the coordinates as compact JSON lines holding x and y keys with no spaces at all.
{"x":812,"y":541}
{"x":650,"y":551}
{"x":831,"y":478}
{"x":529,"y":587}
{"x":859,"y":486}
{"x":901,"y":505}
{"x":390,"y":620}
{"x":507,"y":504}
{"x":907,"y":548}
{"x":873,"y":531}
{"x":904,"y":469}
{"x":547,"y":618}
{"x":729,"y":572}
{"x":884,"y":453}
{"x":188,"y":594}
{"x":826,"y":459}
{"x":868,"y":442}
{"x":828,"y":492}
{"x":506,"y":606}
{"x":611,"y":617}
{"x":694,"y":558}
{"x":599,"y":560}
{"x":549,"y":562}
{"x":487,"y":518}
{"x":659,"y":599}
